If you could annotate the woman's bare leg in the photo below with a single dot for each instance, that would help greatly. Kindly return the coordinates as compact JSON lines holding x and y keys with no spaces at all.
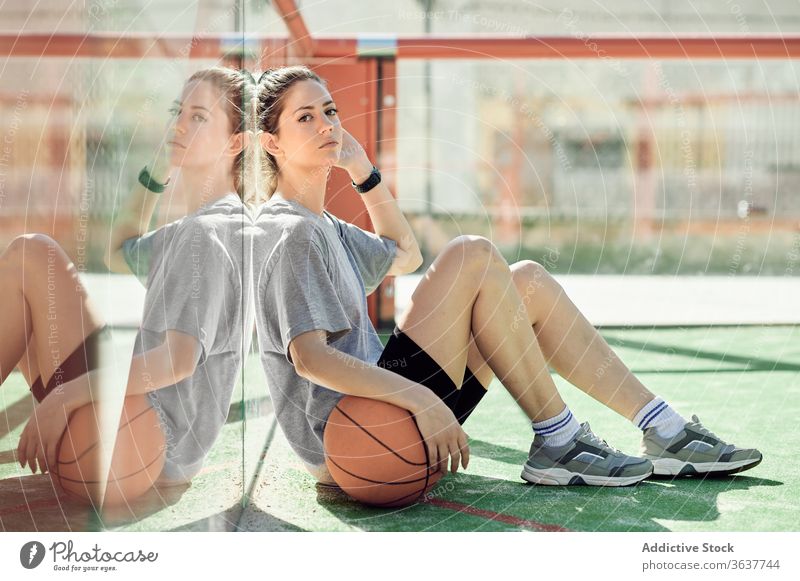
{"x":46,"y":312}
{"x":29,"y":363}
{"x":572,"y":346}
{"x":477,"y":364}
{"x":468,"y":292}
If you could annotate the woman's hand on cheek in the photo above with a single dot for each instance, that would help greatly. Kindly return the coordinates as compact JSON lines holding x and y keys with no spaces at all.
{"x":353,"y":159}
{"x":159,"y":164}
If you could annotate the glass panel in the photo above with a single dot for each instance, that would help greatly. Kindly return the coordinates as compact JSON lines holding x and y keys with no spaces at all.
{"x":75,"y":134}
{"x":615,"y":166}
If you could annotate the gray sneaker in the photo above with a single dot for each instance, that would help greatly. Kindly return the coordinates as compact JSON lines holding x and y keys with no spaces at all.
{"x":695,"y":450}
{"x":586,"y":459}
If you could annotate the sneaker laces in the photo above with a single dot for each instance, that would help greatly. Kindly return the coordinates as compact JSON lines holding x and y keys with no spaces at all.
{"x":595,"y":439}
{"x":705,"y":431}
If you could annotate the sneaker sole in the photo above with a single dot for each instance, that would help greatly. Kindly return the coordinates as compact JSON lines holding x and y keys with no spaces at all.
{"x":562,"y":477}
{"x":674,"y":467}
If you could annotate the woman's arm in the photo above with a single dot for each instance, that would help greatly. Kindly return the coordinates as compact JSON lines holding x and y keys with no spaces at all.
{"x":134,"y":217}
{"x":316,"y":361}
{"x":387,"y":219}
{"x":167,"y":364}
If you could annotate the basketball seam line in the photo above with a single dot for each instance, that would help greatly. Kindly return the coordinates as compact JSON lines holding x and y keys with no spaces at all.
{"x":90,"y":448}
{"x":109,"y":480}
{"x":375,"y":481}
{"x":366,"y":431}
{"x":427,"y":459}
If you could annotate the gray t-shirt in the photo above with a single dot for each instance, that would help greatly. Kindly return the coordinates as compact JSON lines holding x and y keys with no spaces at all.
{"x":313,"y":272}
{"x":198,"y":279}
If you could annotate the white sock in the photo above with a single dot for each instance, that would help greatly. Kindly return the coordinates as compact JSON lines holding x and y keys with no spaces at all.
{"x":659,"y":415}
{"x":557,"y":430}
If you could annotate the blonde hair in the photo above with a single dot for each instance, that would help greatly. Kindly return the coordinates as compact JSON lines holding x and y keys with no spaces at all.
{"x":272,"y":88}
{"x":239,"y":90}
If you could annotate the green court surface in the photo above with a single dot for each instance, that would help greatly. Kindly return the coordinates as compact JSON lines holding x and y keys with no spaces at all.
{"x":743,"y":383}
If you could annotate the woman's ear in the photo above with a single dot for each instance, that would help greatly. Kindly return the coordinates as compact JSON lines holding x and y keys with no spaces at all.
{"x":240,"y":141}
{"x":269,"y":142}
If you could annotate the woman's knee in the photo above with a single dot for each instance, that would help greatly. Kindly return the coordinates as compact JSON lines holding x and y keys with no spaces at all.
{"x":31,"y":250}
{"x":473,"y":253}
{"x":529,"y":270}
{"x":531,"y":277}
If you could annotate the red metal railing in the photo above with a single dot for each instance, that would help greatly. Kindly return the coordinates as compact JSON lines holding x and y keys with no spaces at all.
{"x":401,"y":47}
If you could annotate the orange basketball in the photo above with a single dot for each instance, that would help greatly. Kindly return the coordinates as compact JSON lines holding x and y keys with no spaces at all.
{"x":138,"y":455}
{"x":375,"y":452}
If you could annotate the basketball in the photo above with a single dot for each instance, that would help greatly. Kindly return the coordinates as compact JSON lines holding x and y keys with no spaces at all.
{"x":135,"y":464}
{"x":376,"y":454}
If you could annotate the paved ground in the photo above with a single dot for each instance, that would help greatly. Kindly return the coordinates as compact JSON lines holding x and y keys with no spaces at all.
{"x":733,"y":378}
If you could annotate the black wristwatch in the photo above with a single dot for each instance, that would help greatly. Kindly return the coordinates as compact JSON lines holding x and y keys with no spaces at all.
{"x":150,"y":184}
{"x":373,"y":180}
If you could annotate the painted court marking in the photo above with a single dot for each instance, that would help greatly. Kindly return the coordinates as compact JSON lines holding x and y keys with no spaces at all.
{"x":496,"y":516}
{"x":48,"y":502}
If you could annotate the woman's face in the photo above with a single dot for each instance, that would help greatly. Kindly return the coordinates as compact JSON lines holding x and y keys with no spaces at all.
{"x":309,"y":133}
{"x":201,"y":131}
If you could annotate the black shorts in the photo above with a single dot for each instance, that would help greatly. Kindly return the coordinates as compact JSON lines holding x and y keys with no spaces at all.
{"x":84,"y":359}
{"x":404,"y":357}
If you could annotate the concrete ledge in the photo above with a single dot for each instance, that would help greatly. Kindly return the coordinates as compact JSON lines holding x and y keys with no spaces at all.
{"x":623,"y":300}
{"x":606,"y":300}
